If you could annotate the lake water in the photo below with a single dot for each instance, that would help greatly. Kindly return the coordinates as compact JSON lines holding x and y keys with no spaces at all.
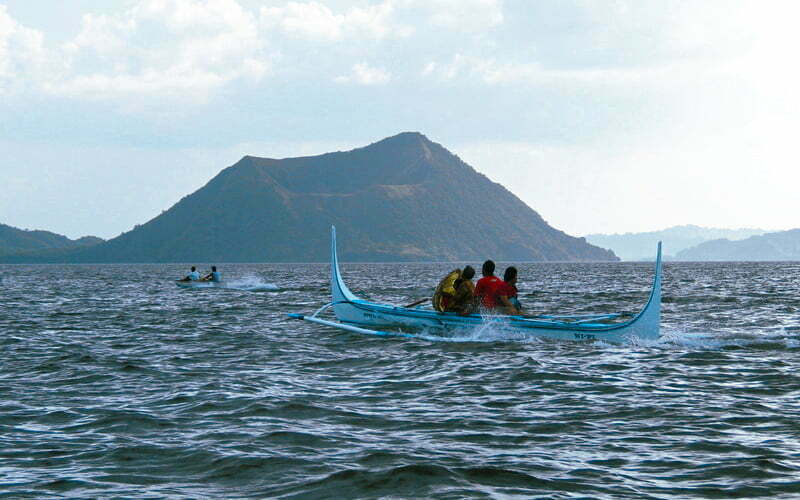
{"x":114,"y":382}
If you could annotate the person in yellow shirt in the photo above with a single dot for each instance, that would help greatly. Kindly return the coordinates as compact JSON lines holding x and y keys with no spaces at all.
{"x":463,"y":301}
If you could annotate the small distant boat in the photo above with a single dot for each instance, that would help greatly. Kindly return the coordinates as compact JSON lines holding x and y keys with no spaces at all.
{"x":359,"y":315}
{"x":199,"y":284}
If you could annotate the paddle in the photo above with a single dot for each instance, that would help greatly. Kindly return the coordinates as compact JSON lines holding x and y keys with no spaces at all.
{"x":416,"y":303}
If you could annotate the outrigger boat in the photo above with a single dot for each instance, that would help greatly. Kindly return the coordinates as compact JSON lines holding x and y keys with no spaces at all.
{"x":360,"y":316}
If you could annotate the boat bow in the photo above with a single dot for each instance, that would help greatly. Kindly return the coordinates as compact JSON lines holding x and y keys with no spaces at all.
{"x":340,"y":294}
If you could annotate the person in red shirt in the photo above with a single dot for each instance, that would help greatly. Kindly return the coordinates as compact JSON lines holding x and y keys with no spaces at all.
{"x":486,"y":288}
{"x":493,"y":293}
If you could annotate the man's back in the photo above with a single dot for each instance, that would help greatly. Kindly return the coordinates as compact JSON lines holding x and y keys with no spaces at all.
{"x":486,"y":290}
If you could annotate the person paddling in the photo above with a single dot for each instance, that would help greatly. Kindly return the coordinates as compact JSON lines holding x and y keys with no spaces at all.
{"x":192,"y":276}
{"x":214,"y":275}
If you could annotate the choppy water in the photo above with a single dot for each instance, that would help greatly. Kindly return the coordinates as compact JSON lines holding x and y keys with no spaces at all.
{"x":114,"y":382}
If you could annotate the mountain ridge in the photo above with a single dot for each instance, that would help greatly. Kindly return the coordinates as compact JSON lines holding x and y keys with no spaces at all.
{"x":403,"y":198}
{"x":774,"y":246}
{"x":638,"y":246}
{"x":14,"y":240}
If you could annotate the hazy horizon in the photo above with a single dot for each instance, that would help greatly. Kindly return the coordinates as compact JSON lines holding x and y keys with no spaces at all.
{"x":603,"y":117}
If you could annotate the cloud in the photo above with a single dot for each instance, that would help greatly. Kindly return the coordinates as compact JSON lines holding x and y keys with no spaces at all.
{"x":573,"y":34}
{"x":316,"y":21}
{"x":463,"y":15}
{"x":189,"y":49}
{"x":160,"y":50}
{"x":493,"y":71}
{"x":22,"y":52}
{"x":363,"y":74}
{"x":620,"y":43}
{"x":174,"y":47}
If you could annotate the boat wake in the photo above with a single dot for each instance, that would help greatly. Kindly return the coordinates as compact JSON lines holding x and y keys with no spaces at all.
{"x":487,"y":332}
{"x":781,"y":338}
{"x":251,"y":284}
{"x":246,"y":284}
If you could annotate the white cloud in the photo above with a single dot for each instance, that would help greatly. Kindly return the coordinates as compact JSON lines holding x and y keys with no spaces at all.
{"x":669,"y":29}
{"x":188,"y":49}
{"x":314,"y":20}
{"x":491,"y":71}
{"x":173,"y":47}
{"x":463,"y":15}
{"x":317,"y":21}
{"x":364,"y":74}
{"x":22,"y":53}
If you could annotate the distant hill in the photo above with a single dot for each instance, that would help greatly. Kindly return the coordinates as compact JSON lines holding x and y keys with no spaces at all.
{"x":14,"y":240}
{"x":639,"y":246}
{"x":404,"y":198}
{"x":783,"y":245}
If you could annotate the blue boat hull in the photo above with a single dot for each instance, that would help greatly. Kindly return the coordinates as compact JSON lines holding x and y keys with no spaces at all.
{"x":198,"y":284}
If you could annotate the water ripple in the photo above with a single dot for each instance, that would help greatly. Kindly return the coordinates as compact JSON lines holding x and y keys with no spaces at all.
{"x":134,"y":387}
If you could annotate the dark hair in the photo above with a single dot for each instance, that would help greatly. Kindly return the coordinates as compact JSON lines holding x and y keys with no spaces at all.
{"x":193,"y":268}
{"x":213,"y":268}
{"x":510,"y":274}
{"x":488,"y":268}
{"x":468,"y":273}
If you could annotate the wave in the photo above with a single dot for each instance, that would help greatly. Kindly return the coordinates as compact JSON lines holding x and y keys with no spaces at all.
{"x":430,"y":480}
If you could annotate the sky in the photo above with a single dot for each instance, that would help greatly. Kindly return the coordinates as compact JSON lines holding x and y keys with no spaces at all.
{"x":603,"y":116}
